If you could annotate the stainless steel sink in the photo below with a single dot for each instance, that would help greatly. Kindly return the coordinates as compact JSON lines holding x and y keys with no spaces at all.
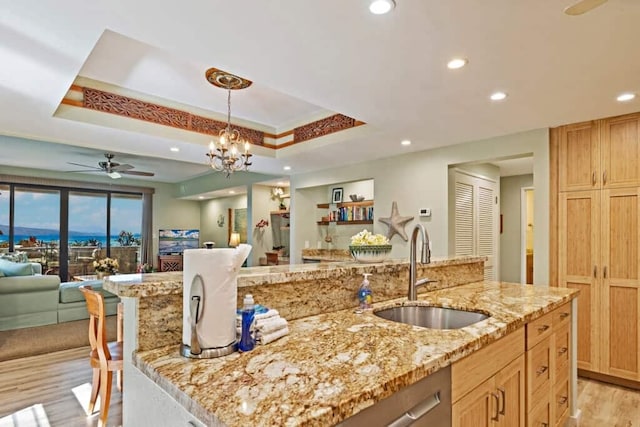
{"x":431,"y":317}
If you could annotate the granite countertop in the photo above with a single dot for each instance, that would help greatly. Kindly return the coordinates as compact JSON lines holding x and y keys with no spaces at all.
{"x":332,"y":365}
{"x":167,"y":283}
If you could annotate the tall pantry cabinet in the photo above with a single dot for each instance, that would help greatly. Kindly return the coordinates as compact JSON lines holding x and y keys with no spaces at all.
{"x":596,"y":204}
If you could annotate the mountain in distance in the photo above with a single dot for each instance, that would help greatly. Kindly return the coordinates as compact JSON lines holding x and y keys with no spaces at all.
{"x":29,"y":231}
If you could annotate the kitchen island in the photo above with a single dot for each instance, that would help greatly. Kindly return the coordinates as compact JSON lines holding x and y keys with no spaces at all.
{"x":331,"y":366}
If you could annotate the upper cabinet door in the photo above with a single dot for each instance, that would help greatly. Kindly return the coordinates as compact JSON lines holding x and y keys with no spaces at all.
{"x":579,"y":156}
{"x":621,"y":151}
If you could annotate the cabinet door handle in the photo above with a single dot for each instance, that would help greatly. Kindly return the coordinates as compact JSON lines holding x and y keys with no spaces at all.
{"x":604,"y":272}
{"x":563,"y":400}
{"x":563,"y":350}
{"x":544,"y":425}
{"x":593,"y":178}
{"x":543,"y":328}
{"x":564,"y":315}
{"x":604,"y":177}
{"x":503,"y":394}
{"x":497,"y":414}
{"x":595,"y":271}
{"x":541,"y":370}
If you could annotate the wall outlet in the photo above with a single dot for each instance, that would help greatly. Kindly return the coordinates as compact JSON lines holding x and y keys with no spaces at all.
{"x":425,"y":212}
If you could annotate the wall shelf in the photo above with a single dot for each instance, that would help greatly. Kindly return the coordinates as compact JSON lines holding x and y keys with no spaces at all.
{"x":354,"y":222}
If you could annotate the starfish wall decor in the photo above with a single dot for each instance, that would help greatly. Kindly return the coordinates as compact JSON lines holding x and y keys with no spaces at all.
{"x":396,"y":223}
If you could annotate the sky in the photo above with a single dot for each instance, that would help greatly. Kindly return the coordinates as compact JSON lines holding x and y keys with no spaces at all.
{"x":87,"y":213}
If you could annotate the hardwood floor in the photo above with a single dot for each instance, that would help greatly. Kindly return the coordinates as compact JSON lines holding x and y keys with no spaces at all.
{"x":49,"y":379}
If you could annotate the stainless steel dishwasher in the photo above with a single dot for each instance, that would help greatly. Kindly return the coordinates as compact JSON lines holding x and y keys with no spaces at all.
{"x":425,"y":403}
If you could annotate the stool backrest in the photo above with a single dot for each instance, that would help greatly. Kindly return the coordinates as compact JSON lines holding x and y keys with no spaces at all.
{"x":97,"y":322}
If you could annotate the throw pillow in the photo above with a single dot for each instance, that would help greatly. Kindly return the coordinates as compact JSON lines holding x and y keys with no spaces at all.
{"x":1,"y":274}
{"x":15,"y":256}
{"x":15,"y":268}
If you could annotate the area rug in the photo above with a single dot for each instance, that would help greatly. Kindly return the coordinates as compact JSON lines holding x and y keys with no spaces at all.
{"x":45,"y":339}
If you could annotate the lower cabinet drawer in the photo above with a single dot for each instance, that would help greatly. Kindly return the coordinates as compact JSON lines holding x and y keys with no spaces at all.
{"x":561,"y":350}
{"x":538,"y":367}
{"x":561,"y":400}
{"x":540,"y":415}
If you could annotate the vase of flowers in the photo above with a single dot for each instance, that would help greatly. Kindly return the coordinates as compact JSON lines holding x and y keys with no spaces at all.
{"x":105,"y":267}
{"x":367,"y":247}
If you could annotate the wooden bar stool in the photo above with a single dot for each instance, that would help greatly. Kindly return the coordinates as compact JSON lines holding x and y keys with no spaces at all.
{"x":105,"y":357}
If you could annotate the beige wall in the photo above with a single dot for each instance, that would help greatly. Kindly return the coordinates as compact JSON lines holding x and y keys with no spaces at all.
{"x":262,"y":205}
{"x":419,"y":179}
{"x":210,"y":210}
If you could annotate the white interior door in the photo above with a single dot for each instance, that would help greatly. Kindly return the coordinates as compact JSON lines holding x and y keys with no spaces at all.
{"x":476,"y":213}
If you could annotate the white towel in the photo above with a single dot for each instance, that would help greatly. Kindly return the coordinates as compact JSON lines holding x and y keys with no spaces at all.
{"x":272,"y":312}
{"x":271,"y":324}
{"x":261,"y":316}
{"x":267,"y":338}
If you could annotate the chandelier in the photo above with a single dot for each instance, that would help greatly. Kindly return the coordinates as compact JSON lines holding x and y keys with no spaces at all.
{"x":231,"y":152}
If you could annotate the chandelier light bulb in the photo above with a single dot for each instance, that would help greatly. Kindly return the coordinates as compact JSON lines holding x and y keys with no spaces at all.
{"x":211,"y":147}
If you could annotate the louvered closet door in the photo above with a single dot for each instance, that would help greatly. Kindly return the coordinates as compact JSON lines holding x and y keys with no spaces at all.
{"x":476,"y":215}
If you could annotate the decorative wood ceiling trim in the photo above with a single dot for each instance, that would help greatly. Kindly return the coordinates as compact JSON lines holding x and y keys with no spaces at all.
{"x":323,"y":127}
{"x":112,"y":103}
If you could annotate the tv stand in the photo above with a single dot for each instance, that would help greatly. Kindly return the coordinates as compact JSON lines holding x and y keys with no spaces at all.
{"x":169,"y":262}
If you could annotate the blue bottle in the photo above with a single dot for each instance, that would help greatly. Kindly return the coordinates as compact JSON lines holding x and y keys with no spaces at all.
{"x":365,"y":295}
{"x":247,"y":338}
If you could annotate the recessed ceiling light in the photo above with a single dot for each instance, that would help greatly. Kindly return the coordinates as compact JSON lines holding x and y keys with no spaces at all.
{"x":498,"y":96}
{"x":287,"y":168}
{"x":174,"y":149}
{"x":624,"y":97}
{"x":456,"y":63}
{"x":380,"y":7}
{"x":281,"y":182}
{"x":232,"y":192}
{"x":200,"y":197}
{"x":405,"y":142}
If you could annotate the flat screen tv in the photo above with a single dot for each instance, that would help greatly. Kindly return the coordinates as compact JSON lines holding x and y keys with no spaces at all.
{"x":175,"y":241}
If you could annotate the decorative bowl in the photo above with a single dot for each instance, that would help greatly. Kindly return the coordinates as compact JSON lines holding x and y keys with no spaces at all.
{"x":370,"y":253}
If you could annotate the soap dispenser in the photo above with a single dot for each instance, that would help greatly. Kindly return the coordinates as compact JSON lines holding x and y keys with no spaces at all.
{"x":247,"y":339}
{"x":364,"y":293}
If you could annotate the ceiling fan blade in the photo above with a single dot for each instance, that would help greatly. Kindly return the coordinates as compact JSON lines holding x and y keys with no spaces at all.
{"x":119,"y":168}
{"x":583,"y":6}
{"x":87,"y":170}
{"x":139,"y":173}
{"x":84,"y":166}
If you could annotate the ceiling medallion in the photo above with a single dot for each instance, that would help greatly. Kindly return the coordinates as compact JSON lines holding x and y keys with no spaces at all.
{"x":225,"y":156}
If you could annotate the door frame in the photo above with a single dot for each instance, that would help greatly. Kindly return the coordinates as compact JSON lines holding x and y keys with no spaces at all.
{"x":523,"y":233}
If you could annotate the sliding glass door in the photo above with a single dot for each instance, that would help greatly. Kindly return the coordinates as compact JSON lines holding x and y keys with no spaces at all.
{"x":36,"y":226}
{"x":87,"y":231}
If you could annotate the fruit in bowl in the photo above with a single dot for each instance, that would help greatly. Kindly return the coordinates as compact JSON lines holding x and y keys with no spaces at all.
{"x":366,"y":247}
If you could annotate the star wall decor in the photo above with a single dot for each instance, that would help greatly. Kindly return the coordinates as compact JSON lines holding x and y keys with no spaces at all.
{"x":396,"y":223}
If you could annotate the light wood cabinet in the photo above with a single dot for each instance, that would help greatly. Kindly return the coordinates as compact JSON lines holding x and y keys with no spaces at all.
{"x":491,"y":394}
{"x":620,"y":279}
{"x":599,"y":154}
{"x":598,"y":238}
{"x":579,"y":156}
{"x":579,"y":240}
{"x":599,"y":254}
{"x":548,"y":368}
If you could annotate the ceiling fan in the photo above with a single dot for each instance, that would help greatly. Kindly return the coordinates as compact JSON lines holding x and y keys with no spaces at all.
{"x":113,"y":169}
{"x":583,"y":6}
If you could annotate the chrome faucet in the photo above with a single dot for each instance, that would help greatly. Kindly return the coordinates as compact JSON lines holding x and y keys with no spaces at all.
{"x":425,"y":258}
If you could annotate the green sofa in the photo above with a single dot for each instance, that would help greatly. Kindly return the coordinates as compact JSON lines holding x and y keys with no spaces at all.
{"x":37,"y":300}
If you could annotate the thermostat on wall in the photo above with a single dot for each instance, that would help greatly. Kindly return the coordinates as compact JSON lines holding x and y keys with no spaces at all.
{"x":425,"y":212}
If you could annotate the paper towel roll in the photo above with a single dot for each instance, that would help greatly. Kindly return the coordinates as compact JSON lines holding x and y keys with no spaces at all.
{"x":219,"y":271}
